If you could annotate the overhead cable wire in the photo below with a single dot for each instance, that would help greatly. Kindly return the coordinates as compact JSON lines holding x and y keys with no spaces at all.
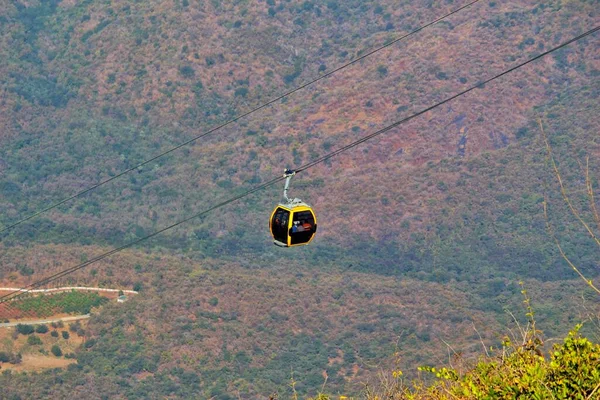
{"x":311,"y":164}
{"x":233,"y":120}
{"x":68,"y":271}
{"x":478,"y":85}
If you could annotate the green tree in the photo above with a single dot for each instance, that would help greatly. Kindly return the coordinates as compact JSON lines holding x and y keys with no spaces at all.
{"x":4,"y":357}
{"x":34,"y":340}
{"x":25,"y":329}
{"x":187,"y":71}
{"x":56,"y":350}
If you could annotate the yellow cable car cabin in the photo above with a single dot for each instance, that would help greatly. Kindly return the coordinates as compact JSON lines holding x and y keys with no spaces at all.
{"x":292,"y":223}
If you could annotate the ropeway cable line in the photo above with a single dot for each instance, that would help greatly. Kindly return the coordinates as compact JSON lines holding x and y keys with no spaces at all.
{"x":16,"y":294}
{"x":233,"y":120}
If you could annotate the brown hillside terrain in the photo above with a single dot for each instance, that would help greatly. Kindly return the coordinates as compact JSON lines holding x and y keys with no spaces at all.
{"x":203,"y":317}
{"x":160,"y":40}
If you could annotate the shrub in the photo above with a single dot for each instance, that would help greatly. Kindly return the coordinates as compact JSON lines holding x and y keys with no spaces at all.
{"x":186,"y":71}
{"x":56,"y":350}
{"x":34,"y":340}
{"x":241,"y":92}
{"x":12,"y":358}
{"x":74,"y":326}
{"x":519,"y":371}
{"x":197,"y":89}
{"x":54,"y":334}
{"x":41,"y":329}
{"x":65,"y":335}
{"x":522,"y":132}
{"x":25,"y":329}
{"x":574,"y":367}
{"x":26,"y":271}
{"x":307,"y":6}
{"x":573,"y":371}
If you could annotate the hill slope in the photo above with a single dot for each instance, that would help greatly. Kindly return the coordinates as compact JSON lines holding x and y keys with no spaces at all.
{"x":423,"y":232}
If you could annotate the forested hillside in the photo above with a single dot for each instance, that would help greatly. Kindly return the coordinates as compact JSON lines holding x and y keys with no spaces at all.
{"x":424,"y":232}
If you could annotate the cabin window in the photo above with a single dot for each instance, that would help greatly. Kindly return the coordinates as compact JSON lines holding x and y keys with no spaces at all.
{"x":279,"y":225}
{"x":303,"y":227}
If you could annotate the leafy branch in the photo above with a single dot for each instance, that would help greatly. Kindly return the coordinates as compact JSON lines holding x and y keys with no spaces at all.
{"x":565,"y":196}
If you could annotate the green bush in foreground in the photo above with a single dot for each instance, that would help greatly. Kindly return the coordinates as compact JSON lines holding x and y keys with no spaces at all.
{"x":571,"y":372}
{"x":519,"y":371}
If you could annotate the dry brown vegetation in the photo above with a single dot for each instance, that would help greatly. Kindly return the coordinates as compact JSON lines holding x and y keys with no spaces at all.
{"x":206,"y":317}
{"x":38,"y":357}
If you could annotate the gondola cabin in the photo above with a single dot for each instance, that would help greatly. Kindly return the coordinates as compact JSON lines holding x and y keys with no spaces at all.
{"x":293,"y":224}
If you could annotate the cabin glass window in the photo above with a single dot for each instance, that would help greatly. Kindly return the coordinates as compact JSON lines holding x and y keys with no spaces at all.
{"x":303,"y":227}
{"x":279,"y":225}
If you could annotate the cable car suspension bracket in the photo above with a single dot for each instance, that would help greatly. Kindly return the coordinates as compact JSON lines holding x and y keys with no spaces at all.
{"x":288,"y":174}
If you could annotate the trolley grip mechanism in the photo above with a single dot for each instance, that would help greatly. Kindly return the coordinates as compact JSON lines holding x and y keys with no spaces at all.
{"x":287,"y":174}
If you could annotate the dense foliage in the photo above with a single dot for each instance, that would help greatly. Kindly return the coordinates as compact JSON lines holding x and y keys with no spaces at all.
{"x":519,"y":370}
{"x":76,"y":117}
{"x":9,"y":357}
{"x":301,"y":323}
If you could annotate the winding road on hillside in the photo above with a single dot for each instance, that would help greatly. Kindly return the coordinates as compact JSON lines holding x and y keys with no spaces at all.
{"x":45,"y":321}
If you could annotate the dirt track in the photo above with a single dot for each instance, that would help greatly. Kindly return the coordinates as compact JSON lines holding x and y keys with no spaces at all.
{"x":44,"y":321}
